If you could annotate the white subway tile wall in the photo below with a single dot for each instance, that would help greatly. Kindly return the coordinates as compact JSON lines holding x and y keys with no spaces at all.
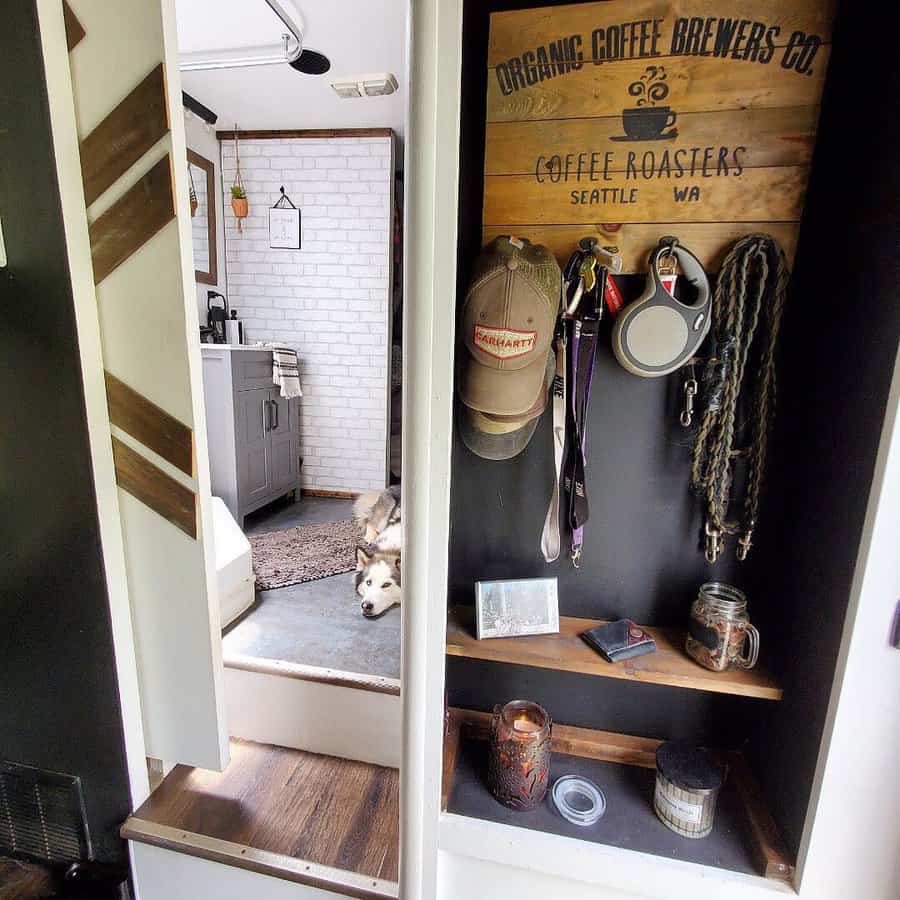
{"x":330,"y":300}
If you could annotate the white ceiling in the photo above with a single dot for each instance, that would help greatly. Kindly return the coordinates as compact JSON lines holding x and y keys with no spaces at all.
{"x":358,"y":36}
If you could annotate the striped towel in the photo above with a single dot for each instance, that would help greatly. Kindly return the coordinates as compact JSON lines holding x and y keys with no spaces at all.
{"x":286,"y":371}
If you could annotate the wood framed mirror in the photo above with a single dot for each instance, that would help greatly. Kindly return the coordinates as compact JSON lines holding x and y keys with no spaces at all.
{"x":203,"y":217}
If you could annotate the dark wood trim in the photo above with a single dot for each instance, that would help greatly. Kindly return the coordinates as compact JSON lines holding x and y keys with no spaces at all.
{"x":455,"y":719}
{"x":305,"y":133}
{"x":74,"y":30}
{"x":768,"y":849}
{"x":378,"y":684}
{"x":125,"y":135}
{"x":154,"y":488}
{"x":212,"y":276}
{"x":337,"y":495}
{"x":567,"y":652}
{"x":132,"y":220}
{"x":150,"y":424}
{"x":606,"y":746}
{"x":262,"y":862}
{"x":196,"y":107}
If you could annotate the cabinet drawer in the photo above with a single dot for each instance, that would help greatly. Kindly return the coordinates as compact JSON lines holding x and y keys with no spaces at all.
{"x":251,"y":369}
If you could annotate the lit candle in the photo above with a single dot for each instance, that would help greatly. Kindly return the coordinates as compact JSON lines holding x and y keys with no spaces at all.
{"x":519,"y":754}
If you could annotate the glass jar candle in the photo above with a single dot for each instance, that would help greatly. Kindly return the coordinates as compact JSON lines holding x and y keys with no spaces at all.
{"x":519,"y":754}
{"x":688,"y":781}
{"x":719,"y":629}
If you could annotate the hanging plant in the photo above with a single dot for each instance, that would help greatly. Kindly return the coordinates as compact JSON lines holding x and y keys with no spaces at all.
{"x":195,"y":203}
{"x":239,"y":204}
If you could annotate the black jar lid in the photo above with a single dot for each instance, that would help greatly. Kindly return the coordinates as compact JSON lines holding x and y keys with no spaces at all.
{"x":688,"y":767}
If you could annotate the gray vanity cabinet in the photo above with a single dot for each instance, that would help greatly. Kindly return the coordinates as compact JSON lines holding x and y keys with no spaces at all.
{"x":252,"y":431}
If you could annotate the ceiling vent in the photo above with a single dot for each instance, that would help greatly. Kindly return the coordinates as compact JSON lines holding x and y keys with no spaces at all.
{"x":366,"y":85}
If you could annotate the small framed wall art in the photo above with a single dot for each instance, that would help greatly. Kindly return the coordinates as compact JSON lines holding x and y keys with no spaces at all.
{"x":284,"y":224}
{"x":516,"y":608}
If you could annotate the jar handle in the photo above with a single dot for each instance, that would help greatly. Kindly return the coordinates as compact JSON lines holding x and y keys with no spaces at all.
{"x":749,"y":661}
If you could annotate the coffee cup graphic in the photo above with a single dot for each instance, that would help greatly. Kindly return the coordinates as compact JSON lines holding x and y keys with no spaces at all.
{"x":648,"y":123}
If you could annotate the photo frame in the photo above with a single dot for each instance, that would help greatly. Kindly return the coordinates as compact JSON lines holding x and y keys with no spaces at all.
{"x":284,"y":224}
{"x":516,"y":608}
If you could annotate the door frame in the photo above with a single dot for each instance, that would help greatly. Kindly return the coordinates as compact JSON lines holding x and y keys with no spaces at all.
{"x":431,"y":209}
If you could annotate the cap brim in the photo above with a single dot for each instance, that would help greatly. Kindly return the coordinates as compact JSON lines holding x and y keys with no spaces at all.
{"x":502,"y":444}
{"x":502,"y":392}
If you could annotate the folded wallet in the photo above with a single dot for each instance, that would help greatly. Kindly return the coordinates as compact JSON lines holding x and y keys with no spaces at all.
{"x":619,"y":640}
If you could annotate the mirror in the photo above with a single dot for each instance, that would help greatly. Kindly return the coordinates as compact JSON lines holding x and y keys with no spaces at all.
{"x":203,"y":217}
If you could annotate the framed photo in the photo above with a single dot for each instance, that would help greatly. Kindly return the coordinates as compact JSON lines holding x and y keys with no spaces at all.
{"x":284,"y":228}
{"x":516,"y":608}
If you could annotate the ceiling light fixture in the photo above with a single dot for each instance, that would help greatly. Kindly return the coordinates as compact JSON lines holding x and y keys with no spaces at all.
{"x":378,"y":85}
{"x":289,"y":50}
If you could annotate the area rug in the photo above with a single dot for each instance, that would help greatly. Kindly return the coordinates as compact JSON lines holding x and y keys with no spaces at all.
{"x":304,"y":553}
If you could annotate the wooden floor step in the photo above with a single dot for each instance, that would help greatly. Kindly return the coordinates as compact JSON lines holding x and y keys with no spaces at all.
{"x":316,"y":820}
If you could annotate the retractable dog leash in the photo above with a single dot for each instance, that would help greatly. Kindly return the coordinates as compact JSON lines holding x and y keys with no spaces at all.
{"x":658,"y":333}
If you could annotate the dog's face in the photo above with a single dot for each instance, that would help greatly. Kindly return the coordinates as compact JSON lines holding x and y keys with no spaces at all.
{"x":377,"y":581}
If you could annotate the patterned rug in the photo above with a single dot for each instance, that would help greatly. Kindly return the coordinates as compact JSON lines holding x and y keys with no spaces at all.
{"x":304,"y":553}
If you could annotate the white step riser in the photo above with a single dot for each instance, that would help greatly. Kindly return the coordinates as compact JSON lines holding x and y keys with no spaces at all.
{"x":309,"y":715}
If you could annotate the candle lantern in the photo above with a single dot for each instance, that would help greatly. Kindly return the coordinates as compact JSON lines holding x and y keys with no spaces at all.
{"x":519,"y":754}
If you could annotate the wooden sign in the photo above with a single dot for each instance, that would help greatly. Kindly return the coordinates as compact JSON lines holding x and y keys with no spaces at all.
{"x":633,"y":119}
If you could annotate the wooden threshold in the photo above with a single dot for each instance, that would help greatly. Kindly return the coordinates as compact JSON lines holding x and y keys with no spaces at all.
{"x":337,"y":495}
{"x":567,"y":652}
{"x":379,"y":684}
{"x":262,"y":862}
{"x":768,"y":851}
{"x":317,"y":820}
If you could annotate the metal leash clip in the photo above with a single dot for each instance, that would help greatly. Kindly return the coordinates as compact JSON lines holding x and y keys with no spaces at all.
{"x":745,"y":542}
{"x":715,"y":543}
{"x":690,"y":391}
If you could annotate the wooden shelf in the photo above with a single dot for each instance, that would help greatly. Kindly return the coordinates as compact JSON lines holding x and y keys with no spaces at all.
{"x":745,"y":836}
{"x":567,"y":652}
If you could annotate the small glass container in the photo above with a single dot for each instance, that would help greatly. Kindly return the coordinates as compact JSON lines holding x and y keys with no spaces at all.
{"x":688,"y":782}
{"x":578,"y":800}
{"x":719,"y":629}
{"x":519,"y":754}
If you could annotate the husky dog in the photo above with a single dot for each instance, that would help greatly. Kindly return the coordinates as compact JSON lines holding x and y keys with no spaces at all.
{"x":378,"y":568}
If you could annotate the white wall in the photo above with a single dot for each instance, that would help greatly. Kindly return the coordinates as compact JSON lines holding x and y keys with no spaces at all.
{"x":329,"y":300}
{"x":205,"y":142}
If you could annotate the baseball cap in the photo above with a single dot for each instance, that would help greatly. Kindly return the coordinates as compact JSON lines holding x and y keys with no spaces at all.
{"x":508,"y":320}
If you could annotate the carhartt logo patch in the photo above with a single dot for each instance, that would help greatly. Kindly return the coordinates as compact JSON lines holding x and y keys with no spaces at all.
{"x":503,"y":343}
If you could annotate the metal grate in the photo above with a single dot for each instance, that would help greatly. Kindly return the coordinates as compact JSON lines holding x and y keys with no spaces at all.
{"x":42,"y":815}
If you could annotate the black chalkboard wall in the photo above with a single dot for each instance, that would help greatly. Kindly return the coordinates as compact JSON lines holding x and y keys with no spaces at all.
{"x":59,"y":706}
{"x":642,"y":545}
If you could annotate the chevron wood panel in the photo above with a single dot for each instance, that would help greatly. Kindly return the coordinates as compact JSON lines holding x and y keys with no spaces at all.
{"x":149,"y":484}
{"x":125,"y":135}
{"x":150,"y":424}
{"x":132,"y":220}
{"x":74,"y":31}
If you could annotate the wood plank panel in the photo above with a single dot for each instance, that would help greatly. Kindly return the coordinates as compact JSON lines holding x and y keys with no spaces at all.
{"x":334,"y":812}
{"x":154,"y":488}
{"x":125,"y":135}
{"x":74,"y":30}
{"x":513,"y":32}
{"x":758,"y":195}
{"x":696,"y":84}
{"x":772,"y":137}
{"x":132,"y":220}
{"x":567,"y":652}
{"x":150,"y":424}
{"x":708,"y":241}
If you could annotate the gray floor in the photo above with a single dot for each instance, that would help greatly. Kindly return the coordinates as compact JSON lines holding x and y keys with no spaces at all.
{"x":317,"y":623}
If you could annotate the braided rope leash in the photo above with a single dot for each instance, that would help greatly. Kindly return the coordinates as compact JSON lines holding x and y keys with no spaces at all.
{"x":747,"y":309}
